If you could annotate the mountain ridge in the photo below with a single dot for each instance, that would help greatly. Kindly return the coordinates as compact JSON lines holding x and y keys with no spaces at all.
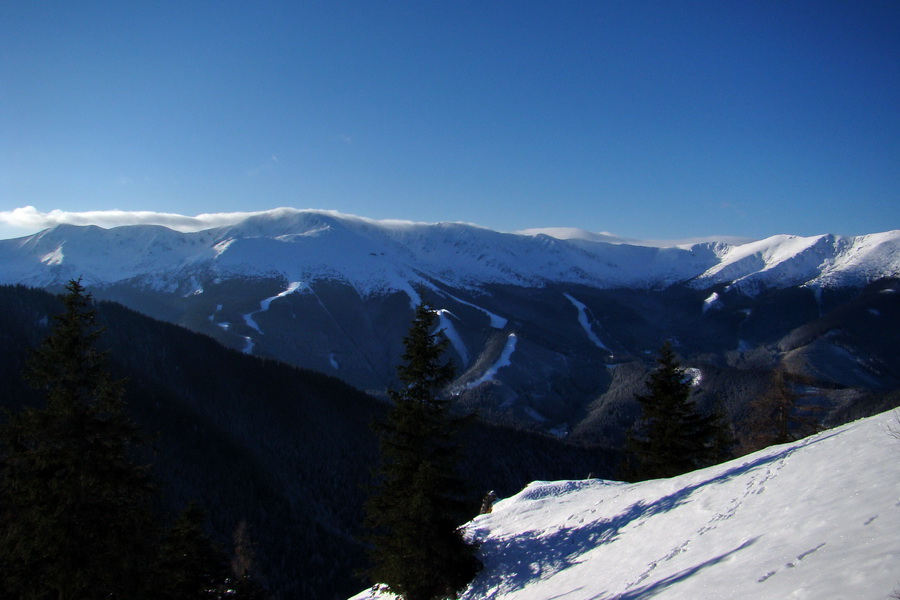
{"x":376,"y":256}
{"x":538,"y":325}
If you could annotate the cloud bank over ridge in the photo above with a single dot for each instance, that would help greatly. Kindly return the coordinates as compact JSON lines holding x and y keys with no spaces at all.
{"x":28,"y":219}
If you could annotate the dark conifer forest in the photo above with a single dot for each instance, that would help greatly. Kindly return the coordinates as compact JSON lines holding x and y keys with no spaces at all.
{"x":279,"y":458}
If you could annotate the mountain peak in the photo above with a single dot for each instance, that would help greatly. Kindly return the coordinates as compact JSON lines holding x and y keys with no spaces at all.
{"x":315,"y":244}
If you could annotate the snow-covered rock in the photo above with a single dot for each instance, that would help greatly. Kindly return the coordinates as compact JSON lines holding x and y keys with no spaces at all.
{"x":813,"y":519}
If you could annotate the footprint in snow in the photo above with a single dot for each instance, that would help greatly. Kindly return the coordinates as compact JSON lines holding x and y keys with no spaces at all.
{"x":676,"y":551}
{"x":643,"y":575}
{"x":792,"y":564}
{"x":870,"y":519}
{"x":766,"y":576}
{"x":803,"y":555}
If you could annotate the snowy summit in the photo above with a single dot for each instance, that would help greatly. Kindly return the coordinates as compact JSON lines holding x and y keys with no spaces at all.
{"x":379,"y":256}
{"x":813,"y":519}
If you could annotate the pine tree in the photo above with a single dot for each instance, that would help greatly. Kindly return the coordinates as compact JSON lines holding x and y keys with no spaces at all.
{"x":418,"y":550}
{"x":671,"y":437}
{"x":74,"y":516}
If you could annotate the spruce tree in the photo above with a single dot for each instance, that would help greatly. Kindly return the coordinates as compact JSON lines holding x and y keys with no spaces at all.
{"x":191,"y":565}
{"x":671,"y":436}
{"x":74,"y":516}
{"x":419,"y":504}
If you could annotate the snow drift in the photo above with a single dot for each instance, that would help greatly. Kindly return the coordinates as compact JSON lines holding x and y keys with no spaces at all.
{"x":813,"y":519}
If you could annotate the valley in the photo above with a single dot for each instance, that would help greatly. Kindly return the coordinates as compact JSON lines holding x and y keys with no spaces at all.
{"x":262,"y":352}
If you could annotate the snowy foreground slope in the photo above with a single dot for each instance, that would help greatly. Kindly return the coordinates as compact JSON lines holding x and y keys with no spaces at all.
{"x":813,"y":519}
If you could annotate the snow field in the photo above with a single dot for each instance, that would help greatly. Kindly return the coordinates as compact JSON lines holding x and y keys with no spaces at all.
{"x":815,"y":519}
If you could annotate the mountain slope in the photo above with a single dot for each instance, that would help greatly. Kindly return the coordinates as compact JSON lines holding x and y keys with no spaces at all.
{"x":821,"y":261}
{"x":538,"y":324}
{"x":374,"y":256}
{"x":288,"y":451}
{"x":813,"y":519}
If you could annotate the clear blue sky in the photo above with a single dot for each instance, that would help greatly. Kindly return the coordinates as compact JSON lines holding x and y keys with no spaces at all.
{"x":644,"y":119}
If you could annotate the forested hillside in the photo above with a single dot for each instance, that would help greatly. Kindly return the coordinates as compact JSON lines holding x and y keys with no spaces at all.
{"x":546,"y":333}
{"x":286,"y":451}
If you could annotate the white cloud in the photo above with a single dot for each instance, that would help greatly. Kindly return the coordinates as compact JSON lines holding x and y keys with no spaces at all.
{"x":28,"y":218}
{"x":569,"y":233}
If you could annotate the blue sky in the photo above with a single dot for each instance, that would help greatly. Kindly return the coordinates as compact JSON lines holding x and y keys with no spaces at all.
{"x":643,"y":119}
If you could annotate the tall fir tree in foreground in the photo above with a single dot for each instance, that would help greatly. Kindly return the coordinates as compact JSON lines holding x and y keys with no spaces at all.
{"x":75,"y":521}
{"x":414,"y":516}
{"x":671,"y":437}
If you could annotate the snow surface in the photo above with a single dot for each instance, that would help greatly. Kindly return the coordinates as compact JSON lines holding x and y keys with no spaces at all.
{"x":446,"y":326}
{"x":711,"y":302}
{"x":384,"y":256}
{"x":503,"y":361}
{"x":693,"y":375}
{"x":814,"y":519}
{"x":264,"y":304}
{"x":586,"y":323}
{"x":825,"y":260}
{"x":574,"y":233}
{"x":497,"y":322}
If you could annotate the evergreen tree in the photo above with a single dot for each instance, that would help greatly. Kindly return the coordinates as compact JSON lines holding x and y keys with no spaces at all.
{"x":74,"y":516}
{"x":671,"y":437}
{"x":191,"y":565}
{"x":414,"y":516}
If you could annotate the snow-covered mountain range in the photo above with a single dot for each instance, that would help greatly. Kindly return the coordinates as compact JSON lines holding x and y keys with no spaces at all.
{"x":551,"y":329}
{"x":813,"y":519}
{"x":377,"y":256}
